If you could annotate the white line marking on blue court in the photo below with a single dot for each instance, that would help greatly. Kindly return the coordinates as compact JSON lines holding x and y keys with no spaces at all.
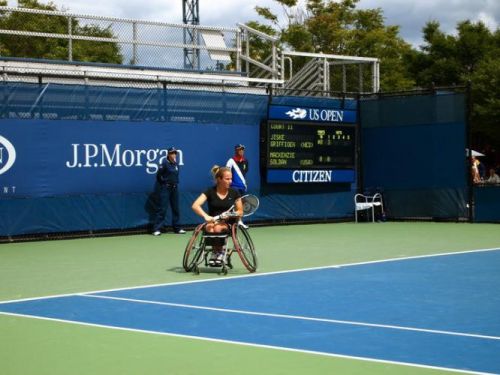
{"x":255,"y":274}
{"x":298,"y":317}
{"x":367,"y":359}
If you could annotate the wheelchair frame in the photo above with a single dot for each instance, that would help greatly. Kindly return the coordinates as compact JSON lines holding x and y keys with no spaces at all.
{"x":198,"y":251}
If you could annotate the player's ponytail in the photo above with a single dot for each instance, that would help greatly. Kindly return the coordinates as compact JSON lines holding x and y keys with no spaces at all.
{"x":214,"y":170}
{"x":218,"y":172}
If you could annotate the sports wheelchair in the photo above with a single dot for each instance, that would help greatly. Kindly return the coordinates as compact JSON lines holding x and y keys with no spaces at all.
{"x":201,"y":247}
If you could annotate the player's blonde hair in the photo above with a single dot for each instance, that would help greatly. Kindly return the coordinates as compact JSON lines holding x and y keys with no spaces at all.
{"x":218,"y":172}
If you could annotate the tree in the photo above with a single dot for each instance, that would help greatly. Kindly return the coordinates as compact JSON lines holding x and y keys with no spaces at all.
{"x":446,"y":60}
{"x":53,"y":48}
{"x":486,"y":102}
{"x":473,"y":55}
{"x":339,"y":28}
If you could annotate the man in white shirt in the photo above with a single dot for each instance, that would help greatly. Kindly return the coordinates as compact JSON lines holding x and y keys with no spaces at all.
{"x":493,"y":178}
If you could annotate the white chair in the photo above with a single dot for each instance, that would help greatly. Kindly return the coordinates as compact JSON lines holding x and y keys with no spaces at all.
{"x":368,"y":203}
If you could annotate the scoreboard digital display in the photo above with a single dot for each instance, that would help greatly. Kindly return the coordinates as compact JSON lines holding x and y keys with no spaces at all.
{"x":293,"y":145}
{"x":317,"y":146}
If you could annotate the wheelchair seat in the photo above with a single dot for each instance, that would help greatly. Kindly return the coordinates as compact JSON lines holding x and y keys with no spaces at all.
{"x":215,"y":239}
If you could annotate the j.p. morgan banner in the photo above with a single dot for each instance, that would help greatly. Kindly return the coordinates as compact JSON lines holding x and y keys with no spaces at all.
{"x":45,"y":158}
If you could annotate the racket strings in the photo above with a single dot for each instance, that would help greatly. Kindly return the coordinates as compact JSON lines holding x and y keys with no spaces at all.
{"x":250,"y":204}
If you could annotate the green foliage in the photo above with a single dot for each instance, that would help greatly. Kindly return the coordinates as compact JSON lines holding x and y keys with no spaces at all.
{"x":94,"y":51}
{"x":339,"y":28}
{"x":473,"y":55}
{"x":446,"y":60}
{"x":53,"y":48}
{"x":267,"y":14}
{"x":486,"y":99}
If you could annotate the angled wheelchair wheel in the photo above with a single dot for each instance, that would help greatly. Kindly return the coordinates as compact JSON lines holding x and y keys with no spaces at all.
{"x":244,"y":246}
{"x":194,"y":250}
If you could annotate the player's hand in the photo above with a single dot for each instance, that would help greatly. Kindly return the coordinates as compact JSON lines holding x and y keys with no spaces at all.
{"x":209,"y":219}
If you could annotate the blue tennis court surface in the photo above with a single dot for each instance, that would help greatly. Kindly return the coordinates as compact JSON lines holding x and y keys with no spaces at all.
{"x":438,"y":311}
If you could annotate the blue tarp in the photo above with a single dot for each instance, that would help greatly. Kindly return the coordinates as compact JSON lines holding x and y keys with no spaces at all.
{"x":86,"y":156}
{"x":413,"y":152}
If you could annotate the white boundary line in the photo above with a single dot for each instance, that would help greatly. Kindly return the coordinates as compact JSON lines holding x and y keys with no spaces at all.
{"x":367,"y":359}
{"x":253,"y":275}
{"x":297,"y":317}
{"x":250,"y":344}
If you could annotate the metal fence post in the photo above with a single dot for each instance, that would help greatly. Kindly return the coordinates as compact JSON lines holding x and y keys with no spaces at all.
{"x":344,"y":79}
{"x":238,"y":50}
{"x":134,"y":43}
{"x":70,"y":40}
{"x":360,"y":89}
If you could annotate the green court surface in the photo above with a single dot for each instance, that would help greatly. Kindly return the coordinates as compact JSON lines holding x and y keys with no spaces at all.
{"x":34,"y":269}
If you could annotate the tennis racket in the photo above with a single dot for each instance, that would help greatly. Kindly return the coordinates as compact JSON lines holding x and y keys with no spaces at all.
{"x":250,"y":205}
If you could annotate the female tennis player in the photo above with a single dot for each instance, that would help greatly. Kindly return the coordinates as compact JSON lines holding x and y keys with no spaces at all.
{"x":219,"y":198}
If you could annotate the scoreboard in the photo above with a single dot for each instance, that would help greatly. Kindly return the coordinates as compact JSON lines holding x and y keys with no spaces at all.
{"x":311,"y":145}
{"x":293,"y":145}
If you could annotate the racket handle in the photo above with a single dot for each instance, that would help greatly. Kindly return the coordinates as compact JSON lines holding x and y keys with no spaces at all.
{"x":219,"y":217}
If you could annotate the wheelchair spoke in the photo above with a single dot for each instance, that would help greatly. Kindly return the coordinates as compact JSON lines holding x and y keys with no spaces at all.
{"x":245,"y":247}
{"x":194,"y":250}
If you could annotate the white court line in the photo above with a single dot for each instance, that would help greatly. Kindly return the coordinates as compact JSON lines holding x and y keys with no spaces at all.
{"x":222,"y":279}
{"x":281,"y":348}
{"x":297,"y":317}
{"x":259,"y":345}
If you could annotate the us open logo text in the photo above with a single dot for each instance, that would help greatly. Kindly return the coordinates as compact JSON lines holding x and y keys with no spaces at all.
{"x":313,"y":114}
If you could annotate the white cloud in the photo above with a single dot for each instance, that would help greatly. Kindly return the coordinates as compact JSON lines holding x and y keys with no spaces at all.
{"x":488,"y":20}
{"x":413,"y":15}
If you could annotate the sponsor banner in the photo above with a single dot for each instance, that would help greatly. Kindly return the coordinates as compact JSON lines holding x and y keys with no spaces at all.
{"x":7,"y":155}
{"x":300,"y":176}
{"x":48,"y":158}
{"x":331,"y":115}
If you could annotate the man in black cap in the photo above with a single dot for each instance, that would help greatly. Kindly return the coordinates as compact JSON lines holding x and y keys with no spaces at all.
{"x":167,"y":191}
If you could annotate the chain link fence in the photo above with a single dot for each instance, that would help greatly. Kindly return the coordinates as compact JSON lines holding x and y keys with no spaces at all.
{"x":87,"y":38}
{"x":50,"y":46}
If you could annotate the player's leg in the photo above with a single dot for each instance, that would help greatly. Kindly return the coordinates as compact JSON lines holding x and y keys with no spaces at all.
{"x":220,"y":228}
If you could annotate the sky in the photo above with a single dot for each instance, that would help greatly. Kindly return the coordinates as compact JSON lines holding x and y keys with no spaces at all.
{"x":410,"y":15}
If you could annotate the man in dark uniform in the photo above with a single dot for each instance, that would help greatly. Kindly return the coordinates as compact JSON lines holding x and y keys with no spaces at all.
{"x":167,"y":191}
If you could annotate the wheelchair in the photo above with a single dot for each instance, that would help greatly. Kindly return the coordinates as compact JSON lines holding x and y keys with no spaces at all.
{"x":201,"y":247}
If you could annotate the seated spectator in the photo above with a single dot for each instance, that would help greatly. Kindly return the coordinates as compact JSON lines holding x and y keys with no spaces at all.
{"x":481,"y":169}
{"x":493,"y":178}
{"x":476,"y":178}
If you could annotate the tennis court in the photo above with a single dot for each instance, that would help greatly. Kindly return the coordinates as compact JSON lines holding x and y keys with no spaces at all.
{"x":328,"y":298}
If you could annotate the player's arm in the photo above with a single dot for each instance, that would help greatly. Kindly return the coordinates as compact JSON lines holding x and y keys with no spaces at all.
{"x":198,"y":209}
{"x":239,"y":207}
